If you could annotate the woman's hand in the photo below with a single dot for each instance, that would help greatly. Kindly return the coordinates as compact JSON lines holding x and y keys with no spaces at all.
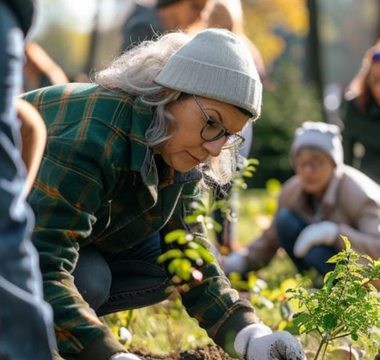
{"x":257,"y":342}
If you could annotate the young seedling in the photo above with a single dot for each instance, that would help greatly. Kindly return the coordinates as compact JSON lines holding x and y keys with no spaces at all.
{"x":189,"y":254}
{"x":346,"y":306}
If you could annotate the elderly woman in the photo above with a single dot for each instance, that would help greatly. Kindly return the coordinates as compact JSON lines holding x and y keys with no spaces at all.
{"x":323,"y":200}
{"x":124,"y":159}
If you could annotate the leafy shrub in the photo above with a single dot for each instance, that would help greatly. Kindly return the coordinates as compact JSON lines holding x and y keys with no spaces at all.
{"x":346,"y":306}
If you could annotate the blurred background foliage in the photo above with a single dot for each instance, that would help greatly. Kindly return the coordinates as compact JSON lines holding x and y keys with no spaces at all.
{"x":263,"y":19}
{"x":311,"y":49}
{"x":287,"y":102}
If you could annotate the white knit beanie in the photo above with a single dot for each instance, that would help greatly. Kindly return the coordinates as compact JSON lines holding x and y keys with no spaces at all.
{"x":325,"y":137}
{"x":215,"y":64}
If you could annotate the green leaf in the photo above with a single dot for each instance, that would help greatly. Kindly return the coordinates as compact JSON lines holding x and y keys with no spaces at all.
{"x":346,"y":242}
{"x":354,"y":336}
{"x":206,"y":255}
{"x":174,"y":264}
{"x":183,"y":269}
{"x":367,"y":257}
{"x":193,"y":245}
{"x":173,"y":253}
{"x":329,"y":280}
{"x":247,"y":174}
{"x":329,"y":321}
{"x":341,"y":256}
{"x":191,"y":219}
{"x":174,"y":236}
{"x":192,"y":254}
{"x":253,"y":161}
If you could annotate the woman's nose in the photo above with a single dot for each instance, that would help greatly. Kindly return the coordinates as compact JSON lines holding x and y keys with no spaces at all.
{"x":214,"y":147}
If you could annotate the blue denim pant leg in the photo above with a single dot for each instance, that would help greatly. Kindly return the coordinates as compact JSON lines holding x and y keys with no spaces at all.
{"x":26,"y":322}
{"x":128,"y":280}
{"x":288,"y":226}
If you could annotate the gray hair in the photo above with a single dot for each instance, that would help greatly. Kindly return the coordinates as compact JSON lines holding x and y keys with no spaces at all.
{"x":134,"y":72}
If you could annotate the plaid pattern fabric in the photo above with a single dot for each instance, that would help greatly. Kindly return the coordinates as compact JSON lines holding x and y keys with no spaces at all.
{"x":99,"y":183}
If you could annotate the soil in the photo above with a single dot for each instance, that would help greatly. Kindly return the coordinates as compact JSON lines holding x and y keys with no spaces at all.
{"x":211,"y":352}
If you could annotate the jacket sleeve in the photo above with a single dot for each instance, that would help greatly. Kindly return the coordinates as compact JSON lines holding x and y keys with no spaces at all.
{"x":262,"y":250}
{"x":212,"y":301}
{"x":74,"y":178}
{"x":364,"y":231}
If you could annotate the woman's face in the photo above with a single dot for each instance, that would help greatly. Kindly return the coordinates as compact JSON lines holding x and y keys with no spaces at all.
{"x":374,"y":81}
{"x":315,"y":168}
{"x":186,"y":149}
{"x":186,"y":12}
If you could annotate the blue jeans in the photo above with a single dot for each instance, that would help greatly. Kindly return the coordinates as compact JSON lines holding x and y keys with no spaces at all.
{"x":128,"y":280}
{"x":26,"y":322}
{"x":288,"y":227}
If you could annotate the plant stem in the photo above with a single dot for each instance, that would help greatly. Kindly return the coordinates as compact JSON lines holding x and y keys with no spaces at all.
{"x":322,"y":345}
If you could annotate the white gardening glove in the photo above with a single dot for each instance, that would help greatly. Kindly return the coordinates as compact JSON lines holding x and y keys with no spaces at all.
{"x":124,"y":356}
{"x":257,"y":342}
{"x":323,"y":233}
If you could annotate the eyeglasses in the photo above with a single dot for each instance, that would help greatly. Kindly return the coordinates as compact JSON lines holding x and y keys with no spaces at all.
{"x":313,"y":164}
{"x":214,"y":130}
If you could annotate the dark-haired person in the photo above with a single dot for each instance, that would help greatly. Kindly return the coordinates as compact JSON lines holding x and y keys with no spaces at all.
{"x":148,"y":22}
{"x":361,"y":116}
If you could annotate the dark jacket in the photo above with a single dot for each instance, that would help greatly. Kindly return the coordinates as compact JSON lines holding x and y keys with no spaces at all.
{"x":24,"y":10}
{"x":99,"y":183}
{"x":363,"y":128}
{"x":142,"y":24}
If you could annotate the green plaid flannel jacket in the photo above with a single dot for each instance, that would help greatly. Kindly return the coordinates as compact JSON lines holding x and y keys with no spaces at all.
{"x":98,"y":183}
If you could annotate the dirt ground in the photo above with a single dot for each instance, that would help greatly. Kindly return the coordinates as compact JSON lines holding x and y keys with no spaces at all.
{"x":211,"y":352}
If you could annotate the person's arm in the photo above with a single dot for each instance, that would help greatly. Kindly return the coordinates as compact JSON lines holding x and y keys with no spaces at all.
{"x":37,"y":60}
{"x":364,"y":209}
{"x":33,"y":137}
{"x":262,"y":250}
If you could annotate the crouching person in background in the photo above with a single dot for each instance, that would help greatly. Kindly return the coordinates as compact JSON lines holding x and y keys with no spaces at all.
{"x":325,"y":199}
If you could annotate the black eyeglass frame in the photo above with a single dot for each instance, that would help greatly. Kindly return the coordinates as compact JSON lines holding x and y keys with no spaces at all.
{"x":224,"y":132}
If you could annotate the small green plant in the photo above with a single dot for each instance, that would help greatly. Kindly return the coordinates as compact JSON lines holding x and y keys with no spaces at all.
{"x":186,"y":258}
{"x":346,"y":306}
{"x":189,"y":254}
